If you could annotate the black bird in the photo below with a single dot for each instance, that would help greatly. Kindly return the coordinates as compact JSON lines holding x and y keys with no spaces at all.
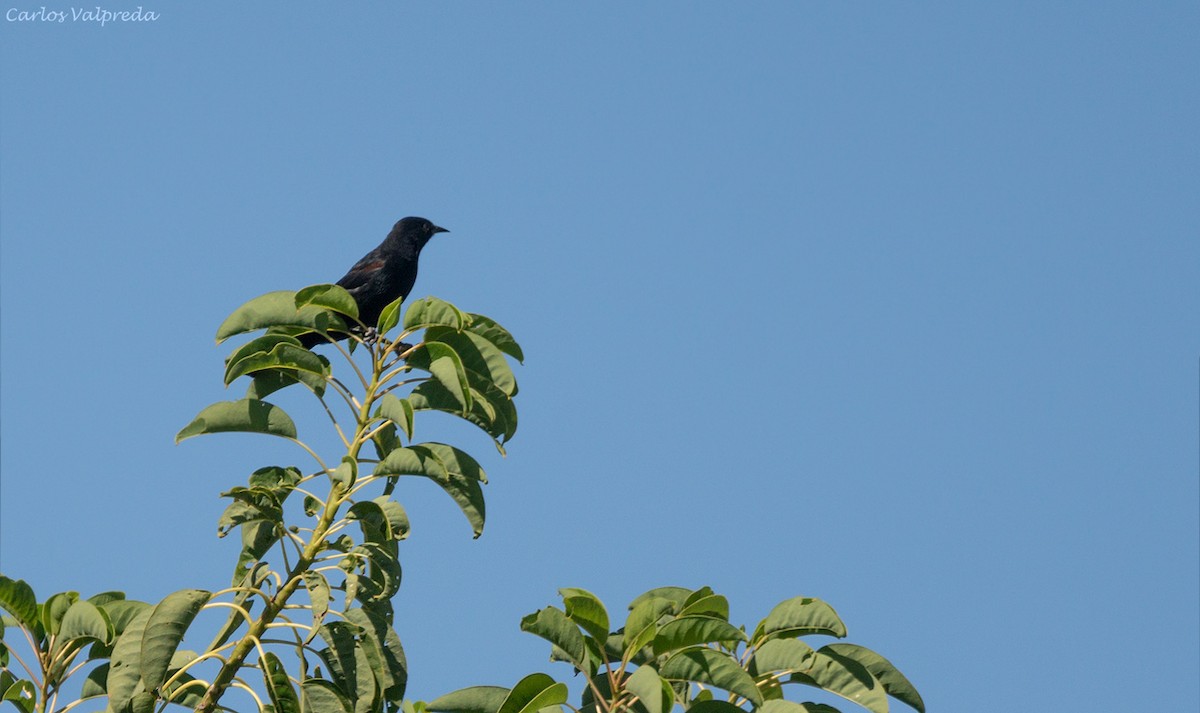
{"x":387,"y":272}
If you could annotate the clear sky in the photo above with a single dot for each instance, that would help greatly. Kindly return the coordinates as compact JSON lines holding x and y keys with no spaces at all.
{"x":894,"y":305}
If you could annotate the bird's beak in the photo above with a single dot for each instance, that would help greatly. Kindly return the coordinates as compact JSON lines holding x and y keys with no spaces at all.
{"x":436,"y":229}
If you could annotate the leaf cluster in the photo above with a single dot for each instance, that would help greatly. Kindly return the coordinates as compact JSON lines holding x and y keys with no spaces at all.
{"x":677,"y":647}
{"x":319,"y":558}
{"x":350,"y":655}
{"x":133,"y":657}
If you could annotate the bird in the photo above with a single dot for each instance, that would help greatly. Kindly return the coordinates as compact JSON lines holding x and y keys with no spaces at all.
{"x":384,"y":274}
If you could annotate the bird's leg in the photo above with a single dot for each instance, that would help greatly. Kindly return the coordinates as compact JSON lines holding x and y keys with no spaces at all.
{"x":368,"y":335}
{"x":371,"y":336}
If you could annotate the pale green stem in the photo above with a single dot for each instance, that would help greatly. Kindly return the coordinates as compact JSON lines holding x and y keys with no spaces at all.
{"x":394,"y":373}
{"x":229,"y":605}
{"x":311,"y":452}
{"x":346,"y":353}
{"x":288,"y":625}
{"x":308,"y":556}
{"x":240,"y":684}
{"x":239,"y":589}
{"x":13,"y":654}
{"x":332,"y":419}
{"x":341,"y":390}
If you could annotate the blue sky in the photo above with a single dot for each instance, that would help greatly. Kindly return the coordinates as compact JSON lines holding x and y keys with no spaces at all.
{"x":892,"y":305}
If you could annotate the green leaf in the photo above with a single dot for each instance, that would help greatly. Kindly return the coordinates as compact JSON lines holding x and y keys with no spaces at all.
{"x":479,"y":356}
{"x":257,"y":538}
{"x":396,"y":517}
{"x":497,"y":335}
{"x":122,"y":612}
{"x":374,"y":521}
{"x":398,"y":411}
{"x":349,"y":666}
{"x":800,"y":616}
{"x":246,"y":415}
{"x":781,"y":655}
{"x":533,"y":693}
{"x":687,"y":631}
{"x":782,"y":706}
{"x":642,"y":624}
{"x":646,"y":684}
{"x":553,"y":625}
{"x":383,"y":650}
{"x":713,"y":706}
{"x":712,"y":667}
{"x":106,"y":597}
{"x":65,"y":644}
{"x":18,"y":599}
{"x":491,"y":409}
{"x":468,"y":495}
{"x":389,"y":317}
{"x":277,"y":309}
{"x":462,"y":484}
{"x":277,"y":479}
{"x":85,"y":621}
{"x":251,"y":505}
{"x":319,"y":596}
{"x":259,"y":345}
{"x":446,"y":366}
{"x":55,"y":608}
{"x":346,"y":473}
{"x":340,"y":654}
{"x":94,"y":684}
{"x":586,"y":610}
{"x":456,"y":462}
{"x":385,"y":573}
{"x":676,"y":595}
{"x":432,"y":312}
{"x":263,"y":343}
{"x":703,"y":601}
{"x":476,"y":699}
{"x":364,"y":691}
{"x":385,"y":441}
{"x":124,"y":668}
{"x":599,"y":692}
{"x":412,"y":461}
{"x":279,"y":688}
{"x":142,"y":702}
{"x":296,"y":361}
{"x":165,"y":629}
{"x":332,"y":297}
{"x":612,"y":649}
{"x":894,"y":682}
{"x":846,"y":678}
{"x":265,"y":383}
{"x":22,"y":694}
{"x":320,"y":696}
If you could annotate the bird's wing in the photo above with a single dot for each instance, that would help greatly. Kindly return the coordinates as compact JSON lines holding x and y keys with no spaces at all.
{"x":362,"y":273}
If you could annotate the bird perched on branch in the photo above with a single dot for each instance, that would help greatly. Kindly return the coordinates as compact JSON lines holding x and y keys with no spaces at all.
{"x":384,"y":274}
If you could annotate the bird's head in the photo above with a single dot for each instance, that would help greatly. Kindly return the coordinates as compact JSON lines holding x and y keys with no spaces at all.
{"x":416,"y":231}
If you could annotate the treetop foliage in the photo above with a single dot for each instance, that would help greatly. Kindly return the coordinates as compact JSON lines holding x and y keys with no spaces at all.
{"x":318,"y":564}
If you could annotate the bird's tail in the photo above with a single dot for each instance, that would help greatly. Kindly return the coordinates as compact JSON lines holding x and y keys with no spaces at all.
{"x":312,"y":339}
